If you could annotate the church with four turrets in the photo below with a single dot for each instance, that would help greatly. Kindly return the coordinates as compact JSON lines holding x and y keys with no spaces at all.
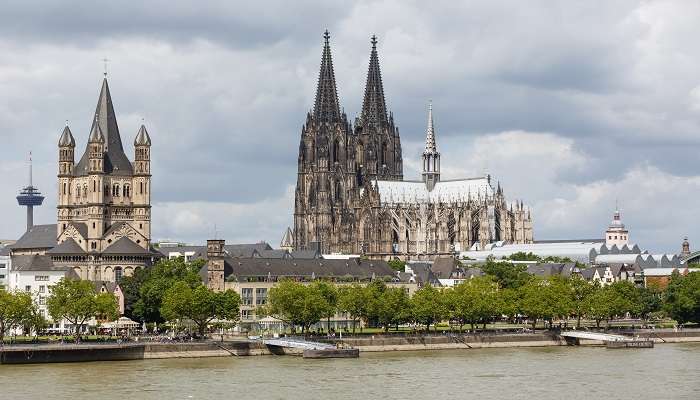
{"x":351,"y":196}
{"x":104,"y":200}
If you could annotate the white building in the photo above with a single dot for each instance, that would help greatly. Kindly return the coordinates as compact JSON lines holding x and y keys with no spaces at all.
{"x":35,"y":274}
{"x":5,"y":265}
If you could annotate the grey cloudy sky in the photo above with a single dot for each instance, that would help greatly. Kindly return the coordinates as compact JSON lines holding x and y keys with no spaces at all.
{"x":571,"y":105}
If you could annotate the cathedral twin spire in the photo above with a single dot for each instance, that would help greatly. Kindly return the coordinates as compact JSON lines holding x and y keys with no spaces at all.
{"x":327,"y":105}
{"x":374,"y":104}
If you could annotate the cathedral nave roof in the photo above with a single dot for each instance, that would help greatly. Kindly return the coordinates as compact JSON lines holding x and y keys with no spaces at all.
{"x":443,"y":192}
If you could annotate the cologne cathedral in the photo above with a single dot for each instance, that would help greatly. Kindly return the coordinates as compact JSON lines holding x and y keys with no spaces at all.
{"x":351,"y":196}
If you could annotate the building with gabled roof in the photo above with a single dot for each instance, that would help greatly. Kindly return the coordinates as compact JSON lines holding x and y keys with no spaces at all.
{"x":104,"y":200}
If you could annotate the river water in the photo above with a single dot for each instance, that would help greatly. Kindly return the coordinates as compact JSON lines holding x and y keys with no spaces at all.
{"x":669,"y":371}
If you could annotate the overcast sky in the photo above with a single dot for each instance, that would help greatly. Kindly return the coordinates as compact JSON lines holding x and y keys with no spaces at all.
{"x":571,"y":105}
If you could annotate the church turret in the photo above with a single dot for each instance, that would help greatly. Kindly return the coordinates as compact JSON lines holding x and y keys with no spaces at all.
{"x":141,"y":193}
{"x":431,"y":157}
{"x":66,"y":163}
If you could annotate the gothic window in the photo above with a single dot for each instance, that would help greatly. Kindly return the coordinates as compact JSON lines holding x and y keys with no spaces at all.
{"x":312,"y":195}
{"x":115,"y":190}
{"x":94,"y":185}
{"x":338,"y":191}
{"x":336,"y":151}
{"x":140,"y":187}
{"x":383,"y":155}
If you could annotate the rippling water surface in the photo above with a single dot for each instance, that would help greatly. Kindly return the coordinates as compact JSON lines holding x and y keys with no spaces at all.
{"x":670,"y":371}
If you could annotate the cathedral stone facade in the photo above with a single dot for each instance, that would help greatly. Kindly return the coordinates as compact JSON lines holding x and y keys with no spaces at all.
{"x":104,"y":200}
{"x":351,"y":197}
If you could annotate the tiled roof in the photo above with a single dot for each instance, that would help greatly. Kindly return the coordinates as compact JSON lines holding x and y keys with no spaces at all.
{"x":35,"y":262}
{"x":124,"y":246}
{"x":38,"y":237}
{"x":68,"y":246}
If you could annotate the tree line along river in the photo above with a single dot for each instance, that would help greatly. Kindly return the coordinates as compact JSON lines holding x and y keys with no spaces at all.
{"x":669,"y":371}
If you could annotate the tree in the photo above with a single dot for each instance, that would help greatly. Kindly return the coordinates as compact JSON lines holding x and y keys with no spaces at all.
{"x":507,"y":275}
{"x":76,"y":301}
{"x":394,"y":308}
{"x":330,"y":293}
{"x":130,"y":287}
{"x":397,"y":265}
{"x":682,"y":298}
{"x":200,"y":305}
{"x":545,"y":299}
{"x":597,"y":304}
{"x":352,"y":300}
{"x":428,"y":306}
{"x":16,"y":309}
{"x":624,"y":298}
{"x":522,"y":256}
{"x":581,"y":290}
{"x":473,"y":301}
{"x":296,"y":304}
{"x":157,"y":280}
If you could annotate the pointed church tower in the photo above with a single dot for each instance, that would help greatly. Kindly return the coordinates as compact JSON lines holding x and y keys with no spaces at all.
{"x":431,"y":157}
{"x":103,"y":230}
{"x":326,"y":166}
{"x":379,"y":146}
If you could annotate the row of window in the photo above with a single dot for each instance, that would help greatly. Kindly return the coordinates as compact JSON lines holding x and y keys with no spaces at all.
{"x":260,"y":296}
{"x":117,"y":190}
{"x":622,"y":237}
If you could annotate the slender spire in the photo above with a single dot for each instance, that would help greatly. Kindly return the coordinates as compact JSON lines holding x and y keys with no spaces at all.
{"x":430,"y":146}
{"x":116,"y":160}
{"x":327,"y":106}
{"x":374,"y":105}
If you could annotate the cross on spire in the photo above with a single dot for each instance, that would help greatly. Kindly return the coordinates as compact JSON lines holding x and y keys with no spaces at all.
{"x":327,"y":105}
{"x":374,"y":104}
{"x":105,"y":61}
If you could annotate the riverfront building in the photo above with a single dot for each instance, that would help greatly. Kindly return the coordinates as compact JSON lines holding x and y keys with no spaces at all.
{"x":253,"y":277}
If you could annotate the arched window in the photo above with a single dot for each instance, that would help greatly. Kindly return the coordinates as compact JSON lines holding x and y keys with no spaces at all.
{"x":64,"y":187}
{"x":312,"y":195}
{"x":85,"y":190}
{"x":77,"y":191}
{"x":336,"y":151}
{"x":383,"y":155}
{"x":127,"y":191}
{"x":94,"y":185}
{"x":118,"y":273}
{"x":115,"y":190}
{"x":338,"y":191}
{"x":360,"y":154}
{"x":140,"y":187}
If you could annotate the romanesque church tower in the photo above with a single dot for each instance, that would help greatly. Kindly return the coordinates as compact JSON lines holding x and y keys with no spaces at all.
{"x":104,"y":201}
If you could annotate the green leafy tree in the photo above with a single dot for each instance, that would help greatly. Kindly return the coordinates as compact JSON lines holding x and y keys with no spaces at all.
{"x":373,"y":293}
{"x":597,"y":304}
{"x":130,"y":287}
{"x":330,"y":294}
{"x":296,"y":304}
{"x":157,"y":280}
{"x":394,"y":308}
{"x":522,"y":256}
{"x":76,"y":301}
{"x":428,"y":306}
{"x":352,"y":300}
{"x":200,"y":305}
{"x":581,"y":290}
{"x":507,"y":275}
{"x":682,"y":298}
{"x":473,"y":301}
{"x":397,"y":265}
{"x":624,"y":298}
{"x":545,"y":299}
{"x":16,"y":309}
